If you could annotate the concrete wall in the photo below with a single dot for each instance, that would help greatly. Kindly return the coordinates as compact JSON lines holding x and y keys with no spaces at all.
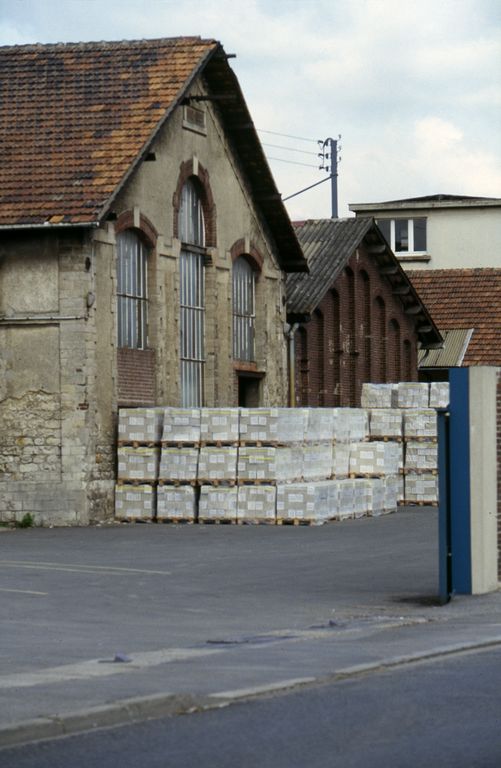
{"x":457,"y":238}
{"x":60,"y":382}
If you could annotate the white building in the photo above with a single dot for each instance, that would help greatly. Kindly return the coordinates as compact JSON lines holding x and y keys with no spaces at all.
{"x":440,"y":231}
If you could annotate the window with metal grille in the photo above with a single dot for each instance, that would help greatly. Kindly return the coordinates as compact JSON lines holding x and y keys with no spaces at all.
{"x":192,"y":296}
{"x":244,"y":310}
{"x":132,"y":291}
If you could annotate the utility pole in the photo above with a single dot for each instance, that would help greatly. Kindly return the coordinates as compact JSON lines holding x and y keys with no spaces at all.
{"x":330,"y":159}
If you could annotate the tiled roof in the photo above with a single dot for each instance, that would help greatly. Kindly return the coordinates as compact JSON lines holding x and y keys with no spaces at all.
{"x":76,"y":119}
{"x":328,"y":245}
{"x":466,"y":298}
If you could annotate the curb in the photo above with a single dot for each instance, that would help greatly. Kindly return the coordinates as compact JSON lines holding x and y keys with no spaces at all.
{"x":133,"y":710}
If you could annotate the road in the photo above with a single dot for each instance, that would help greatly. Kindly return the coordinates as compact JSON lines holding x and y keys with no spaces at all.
{"x":445,"y":712}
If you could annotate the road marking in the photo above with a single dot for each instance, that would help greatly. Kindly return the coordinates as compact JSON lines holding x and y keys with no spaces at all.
{"x":78,"y":568}
{"x":87,"y":670}
{"x":23,"y":591}
{"x":267,"y":688}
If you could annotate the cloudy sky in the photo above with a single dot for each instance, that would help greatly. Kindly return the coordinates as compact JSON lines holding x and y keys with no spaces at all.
{"x":414,"y":88}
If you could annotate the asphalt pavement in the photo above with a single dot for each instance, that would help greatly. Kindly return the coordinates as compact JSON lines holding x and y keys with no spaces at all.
{"x":114,"y":624}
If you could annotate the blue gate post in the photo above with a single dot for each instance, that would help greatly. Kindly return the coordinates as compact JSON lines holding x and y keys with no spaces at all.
{"x":459,"y":488}
{"x":444,"y":511}
{"x":470,"y":489}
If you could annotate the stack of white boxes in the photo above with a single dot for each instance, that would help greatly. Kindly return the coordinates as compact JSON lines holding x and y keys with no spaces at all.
{"x":177,"y":493}
{"x":278,"y":465}
{"x":139,"y":433}
{"x":217,"y":467}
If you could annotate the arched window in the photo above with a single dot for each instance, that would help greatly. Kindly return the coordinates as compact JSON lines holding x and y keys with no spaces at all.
{"x":132,"y":290}
{"x":192,"y":295}
{"x":244,"y":310}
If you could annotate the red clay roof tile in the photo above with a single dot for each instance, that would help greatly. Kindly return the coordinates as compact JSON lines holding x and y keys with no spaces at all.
{"x":74,"y":118}
{"x":465,"y":298}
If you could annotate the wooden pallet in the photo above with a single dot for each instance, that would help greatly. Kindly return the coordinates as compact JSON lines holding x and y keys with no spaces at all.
{"x":137,"y":444}
{"x":180,"y":443}
{"x":385,"y":439}
{"x":135,"y":519}
{"x":135,"y":482}
{"x":408,"y":503}
{"x":216,"y":483}
{"x":219,"y":444}
{"x":217,"y":521}
{"x":406,"y":471}
{"x":420,"y":439}
{"x":256,"y":521}
{"x":293,"y":521}
{"x":178,"y":483}
{"x":175,"y":520}
{"x":256,"y":481}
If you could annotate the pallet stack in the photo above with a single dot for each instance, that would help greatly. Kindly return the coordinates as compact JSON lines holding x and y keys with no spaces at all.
{"x":279,"y":465}
{"x":410,"y":408}
{"x":139,"y":434}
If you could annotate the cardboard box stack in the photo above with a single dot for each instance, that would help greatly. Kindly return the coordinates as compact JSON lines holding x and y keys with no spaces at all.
{"x":139,"y":433}
{"x":280,"y":464}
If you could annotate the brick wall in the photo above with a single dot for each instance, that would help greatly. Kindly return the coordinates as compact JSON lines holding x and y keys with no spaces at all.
{"x":136,"y":376}
{"x":358,"y":333}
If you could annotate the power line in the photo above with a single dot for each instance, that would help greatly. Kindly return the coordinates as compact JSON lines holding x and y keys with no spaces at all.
{"x":293,"y":162}
{"x":289,"y":149}
{"x":288,"y":136}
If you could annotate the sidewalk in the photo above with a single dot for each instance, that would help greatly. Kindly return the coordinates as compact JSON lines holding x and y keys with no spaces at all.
{"x":109,"y":624}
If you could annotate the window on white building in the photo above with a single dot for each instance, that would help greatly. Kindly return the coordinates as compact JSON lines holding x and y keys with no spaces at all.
{"x":244,"y":310}
{"x":192,"y":296}
{"x":132,"y":290}
{"x":405,"y":236}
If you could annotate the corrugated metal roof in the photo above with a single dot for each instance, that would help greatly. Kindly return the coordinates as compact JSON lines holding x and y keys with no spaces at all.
{"x":452,"y":354}
{"x":327,"y":245}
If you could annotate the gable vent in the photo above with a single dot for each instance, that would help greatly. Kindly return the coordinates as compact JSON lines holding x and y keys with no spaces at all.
{"x":194,"y":119}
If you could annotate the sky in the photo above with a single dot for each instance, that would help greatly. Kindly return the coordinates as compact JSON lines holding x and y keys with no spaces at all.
{"x":413,"y":88}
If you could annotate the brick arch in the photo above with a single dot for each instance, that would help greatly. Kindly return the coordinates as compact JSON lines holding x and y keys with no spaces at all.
{"x":146,"y":230}
{"x":252,"y":254}
{"x":201,"y":178}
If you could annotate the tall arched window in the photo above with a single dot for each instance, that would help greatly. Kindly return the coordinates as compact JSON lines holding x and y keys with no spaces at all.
{"x":192,"y":295}
{"x":132,"y":290}
{"x":244,"y":310}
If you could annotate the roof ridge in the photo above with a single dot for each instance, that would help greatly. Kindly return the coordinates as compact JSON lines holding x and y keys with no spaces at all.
{"x":109,"y":44}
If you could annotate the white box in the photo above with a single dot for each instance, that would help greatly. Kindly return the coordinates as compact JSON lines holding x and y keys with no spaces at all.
{"x":218,"y":503}
{"x":350,"y":425}
{"x":317,"y":461}
{"x":385,"y":423}
{"x":439,"y":394}
{"x":178,"y":464}
{"x":137,"y":463}
{"x":394,"y":492}
{"x":421,"y":488}
{"x":377,"y":497}
{"x":296,"y":501}
{"x":217,"y":463}
{"x":346,"y":496}
{"x":257,"y":503}
{"x":319,"y":425}
{"x":340,"y":460}
{"x":134,"y":502}
{"x":420,"y":423}
{"x":421,"y":455}
{"x":140,"y":425}
{"x":361,"y":497}
{"x":411,"y":394}
{"x":264,"y":463}
{"x":377,"y":395}
{"x":181,"y":425}
{"x":219,"y":425}
{"x":285,"y":426}
{"x":375,"y":459}
{"x":176,"y":503}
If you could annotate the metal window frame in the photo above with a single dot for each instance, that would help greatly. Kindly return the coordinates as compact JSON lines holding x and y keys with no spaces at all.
{"x":132,"y":291}
{"x":244,"y":310}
